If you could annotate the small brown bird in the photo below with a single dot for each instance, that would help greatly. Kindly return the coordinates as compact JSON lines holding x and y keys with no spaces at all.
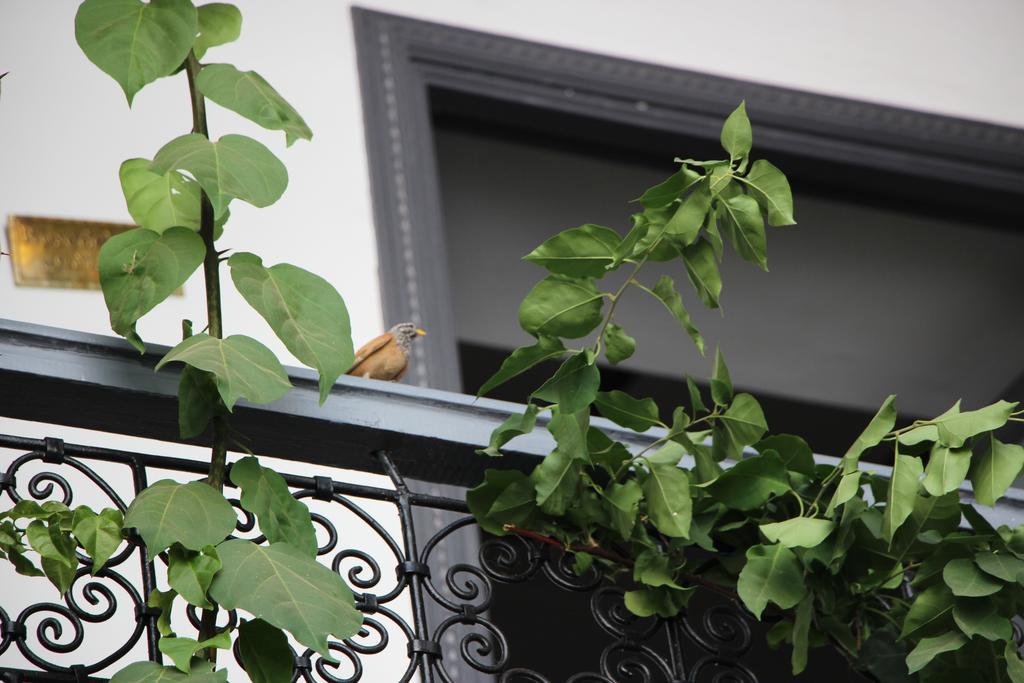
{"x":386,"y":357}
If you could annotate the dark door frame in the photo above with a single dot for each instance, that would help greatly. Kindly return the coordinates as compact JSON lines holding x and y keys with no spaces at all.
{"x":401,"y":59}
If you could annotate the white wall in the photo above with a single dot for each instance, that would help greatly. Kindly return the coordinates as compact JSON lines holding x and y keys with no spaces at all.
{"x":65,"y":127}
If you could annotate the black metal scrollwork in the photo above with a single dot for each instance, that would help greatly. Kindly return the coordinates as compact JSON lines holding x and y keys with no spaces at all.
{"x":648,"y":650}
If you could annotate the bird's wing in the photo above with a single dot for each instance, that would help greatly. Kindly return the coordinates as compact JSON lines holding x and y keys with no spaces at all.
{"x":367,"y":349}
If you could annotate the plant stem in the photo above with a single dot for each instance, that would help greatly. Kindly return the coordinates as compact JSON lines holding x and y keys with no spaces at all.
{"x":615,"y":302}
{"x":211,"y":271}
{"x":598,"y":551}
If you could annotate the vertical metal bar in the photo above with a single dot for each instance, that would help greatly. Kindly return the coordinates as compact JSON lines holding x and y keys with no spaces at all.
{"x":148,"y":570}
{"x":415,"y":578}
{"x":676,"y":657}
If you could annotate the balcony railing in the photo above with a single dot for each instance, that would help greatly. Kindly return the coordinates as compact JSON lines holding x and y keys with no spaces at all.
{"x":424,"y":575}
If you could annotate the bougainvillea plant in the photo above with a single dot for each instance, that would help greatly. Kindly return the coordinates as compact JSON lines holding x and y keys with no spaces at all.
{"x":898,"y":573}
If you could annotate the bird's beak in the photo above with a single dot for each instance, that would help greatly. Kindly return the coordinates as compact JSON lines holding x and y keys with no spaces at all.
{"x":421,"y":332}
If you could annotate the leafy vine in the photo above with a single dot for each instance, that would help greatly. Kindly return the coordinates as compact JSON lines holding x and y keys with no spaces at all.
{"x":898,"y":573}
{"x":180,"y":200}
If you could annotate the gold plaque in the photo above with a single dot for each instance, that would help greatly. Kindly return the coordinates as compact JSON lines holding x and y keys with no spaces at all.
{"x":56,"y":252}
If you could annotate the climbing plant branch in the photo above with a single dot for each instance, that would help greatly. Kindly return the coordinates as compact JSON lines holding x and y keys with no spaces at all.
{"x":878,"y":567}
{"x":180,"y":200}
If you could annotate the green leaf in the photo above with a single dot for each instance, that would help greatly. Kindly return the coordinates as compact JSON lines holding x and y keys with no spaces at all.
{"x":181,"y":650}
{"x":664,"y":601}
{"x":721,"y":383}
{"x":582,"y":562}
{"x":938,"y":514}
{"x":652,"y":568}
{"x":29,"y":509}
{"x":192,"y":514}
{"x":965,"y":579}
{"x":801,"y":632}
{"x":151,"y":672}
{"x":281,"y":517}
{"x":947,"y":469}
{"x":586,"y":251}
{"x":668,"y":454}
{"x":164,"y":601}
{"x":736,"y":134}
{"x":506,"y":484}
{"x":513,"y":426}
{"x":741,"y":217}
{"x":557,"y":482}
{"x":638,"y":414}
{"x":51,"y":543}
{"x":771,"y":574}
{"x":707,"y":468}
{"x":573,"y":386}
{"x":903,"y":486}
{"x":515,"y":503}
{"x":796,"y":455}
{"x":684,"y":225}
{"x":604,"y":452}
{"x":770,"y":188}
{"x":244,"y":368}
{"x":799,"y":532}
{"x":248,"y":94}
{"x":190,"y":573}
{"x":751,"y":482}
{"x":522,"y":359}
{"x":956,"y":429}
{"x":720,"y":180}
{"x":702,"y":268}
{"x":198,"y":401}
{"x":624,"y":499}
{"x":743,"y":422}
{"x":22,"y":564}
{"x":669,"y":506}
{"x":980,"y":616}
{"x":282,"y":586}
{"x":994,"y":469}
{"x":618,"y":346}
{"x":696,"y":402}
{"x":159,"y":201}
{"x":570,"y":431}
{"x":233,"y":167}
{"x":1014,"y":665}
{"x":140,"y":268}
{"x":665,"y":292}
{"x":668,"y":191}
{"x":136,"y":43}
{"x":219,"y":23}
{"x":264,"y":652}
{"x":848,"y":487}
{"x":1001,"y":566}
{"x":636,"y":234}
{"x":930,"y":648}
{"x":880,"y":425}
{"x":303,"y":309}
{"x":59,"y":574}
{"x":559,"y":306}
{"x":100,"y":534}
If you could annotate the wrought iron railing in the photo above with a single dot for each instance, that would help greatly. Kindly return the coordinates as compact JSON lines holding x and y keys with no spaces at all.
{"x":440,"y":598}
{"x":50,"y":635}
